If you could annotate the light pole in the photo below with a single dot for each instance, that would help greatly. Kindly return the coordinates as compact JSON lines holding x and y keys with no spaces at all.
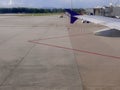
{"x":11,"y":2}
{"x":71,"y":4}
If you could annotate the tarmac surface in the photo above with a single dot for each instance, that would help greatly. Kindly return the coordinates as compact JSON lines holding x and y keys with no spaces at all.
{"x":47,"y":53}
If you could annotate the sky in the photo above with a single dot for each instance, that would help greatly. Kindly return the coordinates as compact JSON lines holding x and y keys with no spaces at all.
{"x":55,"y":3}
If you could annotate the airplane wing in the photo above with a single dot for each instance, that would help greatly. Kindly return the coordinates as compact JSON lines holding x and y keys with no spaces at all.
{"x":106,"y":21}
{"x":113,"y":24}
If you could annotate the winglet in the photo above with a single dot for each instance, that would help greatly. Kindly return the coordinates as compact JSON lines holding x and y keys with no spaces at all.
{"x":72,"y":15}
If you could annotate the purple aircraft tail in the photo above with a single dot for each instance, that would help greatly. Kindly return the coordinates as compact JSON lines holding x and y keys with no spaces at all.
{"x":72,"y":15}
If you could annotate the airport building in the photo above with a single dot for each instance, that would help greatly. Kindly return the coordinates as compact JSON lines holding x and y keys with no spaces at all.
{"x":89,"y":11}
{"x":99,"y":11}
{"x":115,"y":11}
{"x":110,"y":11}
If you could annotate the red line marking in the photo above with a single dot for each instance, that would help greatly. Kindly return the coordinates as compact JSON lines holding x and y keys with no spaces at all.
{"x":82,"y":51}
{"x":74,"y":35}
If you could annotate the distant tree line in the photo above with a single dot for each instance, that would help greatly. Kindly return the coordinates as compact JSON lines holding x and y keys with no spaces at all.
{"x":34,"y":10}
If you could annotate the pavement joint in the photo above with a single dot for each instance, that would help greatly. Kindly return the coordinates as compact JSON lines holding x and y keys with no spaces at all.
{"x":12,"y":70}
